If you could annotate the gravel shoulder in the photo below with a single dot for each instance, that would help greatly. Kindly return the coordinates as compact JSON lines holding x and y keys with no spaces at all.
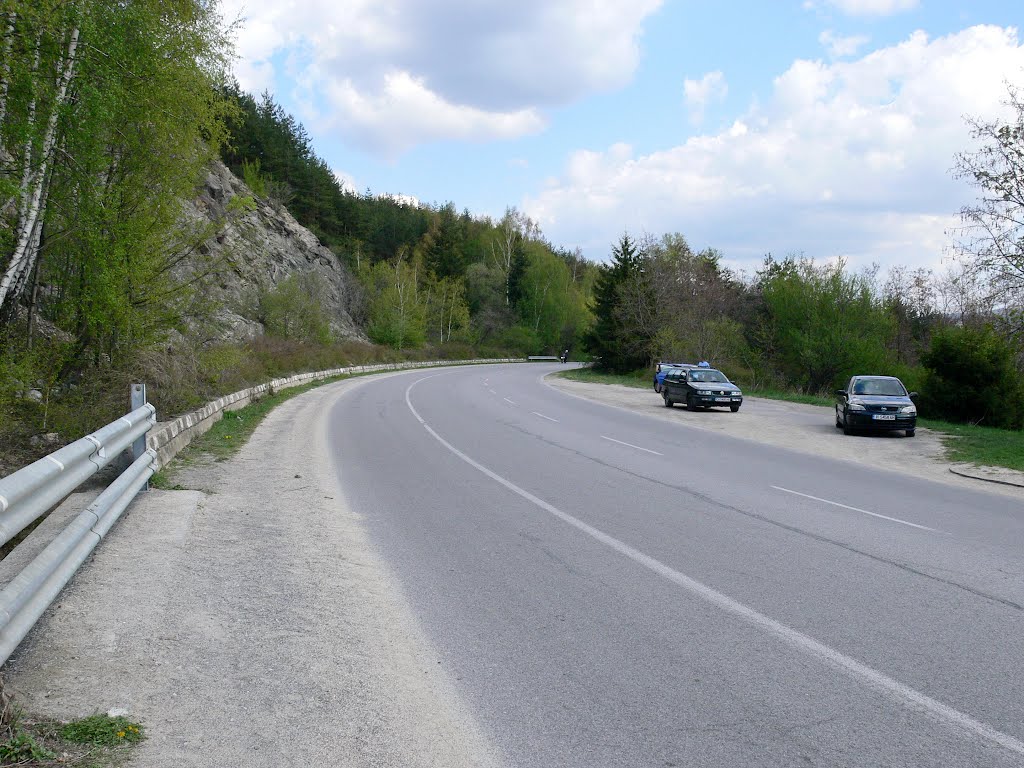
{"x":808,"y":429}
{"x":250,"y":622}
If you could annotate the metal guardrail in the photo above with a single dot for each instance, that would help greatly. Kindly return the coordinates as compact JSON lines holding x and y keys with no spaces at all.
{"x":32,"y":491}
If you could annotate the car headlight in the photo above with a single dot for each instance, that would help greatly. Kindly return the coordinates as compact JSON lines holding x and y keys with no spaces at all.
{"x":910,"y":410}
{"x":736,"y":394}
{"x":855,"y":406}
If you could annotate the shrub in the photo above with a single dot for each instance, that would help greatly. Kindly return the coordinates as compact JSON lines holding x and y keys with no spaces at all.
{"x":971,"y":377}
{"x":294,"y":309}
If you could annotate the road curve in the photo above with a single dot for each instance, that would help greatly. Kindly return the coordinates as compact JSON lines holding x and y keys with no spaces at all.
{"x":608,"y":589}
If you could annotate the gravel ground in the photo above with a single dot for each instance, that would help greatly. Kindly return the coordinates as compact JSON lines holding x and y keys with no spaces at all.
{"x":250,"y":623}
{"x":809,"y":429}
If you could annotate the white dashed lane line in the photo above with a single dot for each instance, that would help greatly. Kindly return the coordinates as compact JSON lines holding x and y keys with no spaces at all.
{"x":639,"y":448}
{"x":857,"y":509}
{"x":508,"y":401}
{"x":544,"y":417}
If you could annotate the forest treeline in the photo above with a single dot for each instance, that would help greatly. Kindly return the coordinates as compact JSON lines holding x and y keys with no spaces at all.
{"x":110,"y":114}
{"x":432,"y":274}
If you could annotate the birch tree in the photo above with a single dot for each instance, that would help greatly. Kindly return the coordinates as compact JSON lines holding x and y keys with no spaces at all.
{"x":991,"y":237}
{"x":112,"y":115}
{"x":38,"y":132}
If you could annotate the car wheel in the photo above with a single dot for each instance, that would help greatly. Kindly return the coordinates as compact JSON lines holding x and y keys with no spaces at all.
{"x":689,"y":404}
{"x":669,"y":402}
{"x":839,"y":423}
{"x":734,"y":408}
{"x":911,"y":432}
{"x":847,"y":429}
{"x":657,"y":387}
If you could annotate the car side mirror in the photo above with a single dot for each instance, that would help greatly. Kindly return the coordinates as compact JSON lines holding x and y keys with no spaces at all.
{"x":912,"y":395}
{"x":841,"y":392}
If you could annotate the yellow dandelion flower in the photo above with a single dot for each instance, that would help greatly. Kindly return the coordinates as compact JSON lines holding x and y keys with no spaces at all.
{"x":120,"y":734}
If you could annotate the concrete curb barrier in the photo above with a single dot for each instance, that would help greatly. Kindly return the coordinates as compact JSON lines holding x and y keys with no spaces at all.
{"x":1002,"y":476}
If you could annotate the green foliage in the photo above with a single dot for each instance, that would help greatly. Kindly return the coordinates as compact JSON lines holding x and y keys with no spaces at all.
{"x":253,"y":179}
{"x":22,"y":748}
{"x":521,"y":340}
{"x":103,"y":730}
{"x":447,"y":311}
{"x":112,"y":228}
{"x":398,"y":313}
{"x":971,"y":377}
{"x":548,"y":300}
{"x":618,"y":339}
{"x":696,"y":307}
{"x":293,"y":309}
{"x":821,"y":323}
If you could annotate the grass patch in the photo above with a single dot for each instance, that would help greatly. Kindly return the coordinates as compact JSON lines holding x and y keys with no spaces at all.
{"x":639,"y":380}
{"x":97,"y":741}
{"x":790,"y":397}
{"x":162,"y":481}
{"x":974,"y":444}
{"x":103,"y":731}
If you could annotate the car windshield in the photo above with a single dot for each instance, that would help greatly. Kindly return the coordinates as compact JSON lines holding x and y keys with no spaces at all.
{"x":708,"y":376}
{"x":885,"y":387}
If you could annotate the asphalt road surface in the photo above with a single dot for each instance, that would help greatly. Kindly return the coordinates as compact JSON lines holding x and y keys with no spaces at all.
{"x":610,"y":589}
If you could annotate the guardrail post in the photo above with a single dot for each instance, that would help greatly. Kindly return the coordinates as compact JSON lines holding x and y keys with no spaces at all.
{"x":138,"y":396}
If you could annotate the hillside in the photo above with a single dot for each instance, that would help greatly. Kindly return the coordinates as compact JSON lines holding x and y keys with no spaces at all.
{"x":258,"y":249}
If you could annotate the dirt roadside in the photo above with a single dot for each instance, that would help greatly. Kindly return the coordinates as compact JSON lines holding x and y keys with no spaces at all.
{"x":809,"y":429}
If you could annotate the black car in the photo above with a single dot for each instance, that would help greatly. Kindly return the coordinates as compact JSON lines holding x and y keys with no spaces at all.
{"x":700,"y":388}
{"x":877,"y":404}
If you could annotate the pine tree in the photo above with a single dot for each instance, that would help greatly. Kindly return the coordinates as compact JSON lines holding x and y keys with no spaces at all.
{"x":608,"y":339}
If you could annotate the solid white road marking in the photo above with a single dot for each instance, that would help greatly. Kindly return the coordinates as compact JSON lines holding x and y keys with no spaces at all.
{"x":508,"y":401}
{"x":620,"y":442}
{"x":857,"y":509}
{"x":492,"y":391}
{"x":544,"y":417}
{"x":873,"y":679}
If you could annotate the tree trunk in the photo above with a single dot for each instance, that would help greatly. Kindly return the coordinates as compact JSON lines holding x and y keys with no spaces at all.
{"x":5,"y":72}
{"x":34,"y":185}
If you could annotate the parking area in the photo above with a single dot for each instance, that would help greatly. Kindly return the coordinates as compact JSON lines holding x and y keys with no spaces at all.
{"x":809,"y":429}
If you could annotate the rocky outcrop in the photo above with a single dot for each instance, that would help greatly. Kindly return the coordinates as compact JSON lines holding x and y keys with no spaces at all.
{"x":256,"y":246}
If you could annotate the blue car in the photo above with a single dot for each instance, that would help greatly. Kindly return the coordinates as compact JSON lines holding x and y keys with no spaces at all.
{"x":662,"y":368}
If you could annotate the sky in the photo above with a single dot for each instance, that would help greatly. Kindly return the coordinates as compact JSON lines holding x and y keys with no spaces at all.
{"x":827,"y":128}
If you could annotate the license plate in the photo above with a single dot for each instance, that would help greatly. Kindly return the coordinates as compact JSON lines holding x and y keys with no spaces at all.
{"x":885,"y":417}
{"x":722,"y":400}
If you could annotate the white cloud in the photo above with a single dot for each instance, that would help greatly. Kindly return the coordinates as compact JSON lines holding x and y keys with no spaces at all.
{"x":381,"y":121}
{"x":393,"y":73}
{"x":699,"y":93}
{"x":346,"y":181}
{"x":839,"y":47}
{"x":869,"y":7}
{"x":846,"y":158}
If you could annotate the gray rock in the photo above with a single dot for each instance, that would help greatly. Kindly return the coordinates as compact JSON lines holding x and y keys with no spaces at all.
{"x":255,"y":252}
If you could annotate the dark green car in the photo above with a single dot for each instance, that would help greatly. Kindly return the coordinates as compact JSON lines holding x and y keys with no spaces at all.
{"x":701,"y":388}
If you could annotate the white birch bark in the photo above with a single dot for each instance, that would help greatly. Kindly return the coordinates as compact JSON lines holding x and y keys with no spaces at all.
{"x":23,"y":258}
{"x":5,"y":72}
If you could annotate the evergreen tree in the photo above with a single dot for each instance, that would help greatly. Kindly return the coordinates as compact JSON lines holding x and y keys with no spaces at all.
{"x":609,"y":341}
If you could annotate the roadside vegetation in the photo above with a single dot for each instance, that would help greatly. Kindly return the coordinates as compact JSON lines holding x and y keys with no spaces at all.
{"x":96,"y":741}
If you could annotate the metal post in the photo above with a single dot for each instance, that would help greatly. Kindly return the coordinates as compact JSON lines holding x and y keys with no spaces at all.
{"x":138,"y":400}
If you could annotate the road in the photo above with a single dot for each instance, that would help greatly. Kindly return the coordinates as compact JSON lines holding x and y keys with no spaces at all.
{"x":610,"y":589}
